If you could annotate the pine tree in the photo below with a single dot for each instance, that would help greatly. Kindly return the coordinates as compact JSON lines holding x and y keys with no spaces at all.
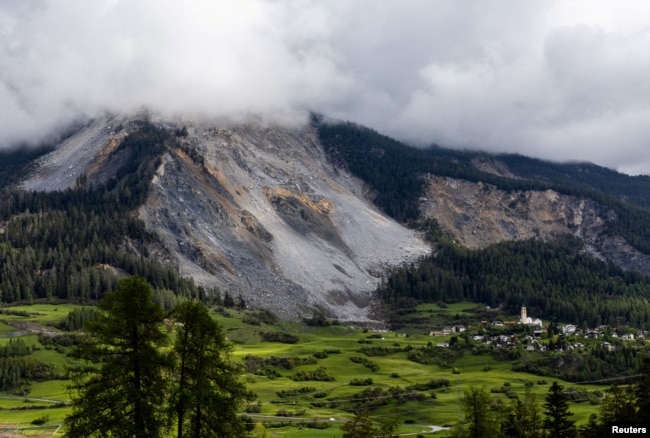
{"x":522,"y":419}
{"x":360,"y":426}
{"x":642,"y":392}
{"x":557,"y":413}
{"x":208,"y":393}
{"x":618,"y":406}
{"x":480,"y":420}
{"x":122,"y":391}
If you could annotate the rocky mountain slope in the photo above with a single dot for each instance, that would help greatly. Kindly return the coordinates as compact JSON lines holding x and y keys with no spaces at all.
{"x":256,"y":210}
{"x":265,"y":213}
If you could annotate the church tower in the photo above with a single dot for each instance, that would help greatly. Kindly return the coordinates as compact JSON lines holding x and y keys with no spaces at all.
{"x":524,"y":317}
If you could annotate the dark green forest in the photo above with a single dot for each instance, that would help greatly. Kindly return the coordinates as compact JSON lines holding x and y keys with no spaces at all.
{"x":553,"y":279}
{"x":71,"y":244}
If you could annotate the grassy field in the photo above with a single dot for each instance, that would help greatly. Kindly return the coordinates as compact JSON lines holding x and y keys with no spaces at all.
{"x":290,"y":408}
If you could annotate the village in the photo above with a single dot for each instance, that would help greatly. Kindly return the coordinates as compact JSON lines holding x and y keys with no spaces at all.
{"x":533,"y":335}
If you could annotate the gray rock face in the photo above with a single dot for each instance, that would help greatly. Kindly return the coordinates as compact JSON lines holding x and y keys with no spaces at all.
{"x":478,"y":215}
{"x":266,"y":216}
{"x":258,"y":211}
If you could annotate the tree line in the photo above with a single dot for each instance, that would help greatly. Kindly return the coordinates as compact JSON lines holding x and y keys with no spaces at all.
{"x":523,"y":417}
{"x":17,"y":369}
{"x":69,"y":244}
{"x":555,"y":281}
{"x":623,"y":406}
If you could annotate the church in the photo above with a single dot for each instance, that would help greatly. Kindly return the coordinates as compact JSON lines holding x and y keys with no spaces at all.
{"x":527,"y":320}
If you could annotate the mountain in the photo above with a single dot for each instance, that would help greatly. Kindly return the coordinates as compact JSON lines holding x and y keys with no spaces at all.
{"x":479,"y":199}
{"x":288,"y":218}
{"x":256,"y":210}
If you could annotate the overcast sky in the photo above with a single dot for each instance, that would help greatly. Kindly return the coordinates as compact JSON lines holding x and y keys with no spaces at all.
{"x":561,"y":80}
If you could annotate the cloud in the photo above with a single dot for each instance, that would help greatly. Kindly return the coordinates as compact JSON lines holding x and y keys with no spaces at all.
{"x":554,"y":79}
{"x":69,"y":57}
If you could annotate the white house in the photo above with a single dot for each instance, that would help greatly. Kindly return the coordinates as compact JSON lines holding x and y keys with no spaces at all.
{"x":569,"y":329}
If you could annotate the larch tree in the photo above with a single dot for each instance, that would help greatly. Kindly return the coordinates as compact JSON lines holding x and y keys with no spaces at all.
{"x":360,"y":426}
{"x":642,"y":392}
{"x":556,"y":409}
{"x":480,"y":421}
{"x":120,"y":386}
{"x":207,"y":393}
{"x":523,"y":419}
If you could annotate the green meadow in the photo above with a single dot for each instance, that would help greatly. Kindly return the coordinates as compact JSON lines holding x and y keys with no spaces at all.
{"x":310,"y":387}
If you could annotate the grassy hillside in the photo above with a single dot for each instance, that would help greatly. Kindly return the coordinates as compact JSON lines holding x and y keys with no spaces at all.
{"x":356,"y":369}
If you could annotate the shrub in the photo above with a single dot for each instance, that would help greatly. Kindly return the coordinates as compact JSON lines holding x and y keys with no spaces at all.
{"x":284,"y":338}
{"x":295,"y":392}
{"x":361,"y":382}
{"x":40,"y":420}
{"x":318,"y":375}
{"x":365,"y":362}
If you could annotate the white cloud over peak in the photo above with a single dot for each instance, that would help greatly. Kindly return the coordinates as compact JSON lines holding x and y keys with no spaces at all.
{"x":561,"y":80}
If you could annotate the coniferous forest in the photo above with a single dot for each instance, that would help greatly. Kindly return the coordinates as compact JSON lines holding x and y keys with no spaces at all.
{"x":70,"y":245}
{"x":554,"y":280}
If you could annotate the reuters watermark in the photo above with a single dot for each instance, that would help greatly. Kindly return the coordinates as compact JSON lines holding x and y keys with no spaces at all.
{"x":628,"y":430}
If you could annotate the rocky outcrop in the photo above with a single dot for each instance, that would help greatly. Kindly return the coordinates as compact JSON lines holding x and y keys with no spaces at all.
{"x":478,"y":214}
{"x":265,"y":215}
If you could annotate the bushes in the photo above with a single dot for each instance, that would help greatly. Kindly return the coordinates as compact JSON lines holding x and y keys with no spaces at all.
{"x":296,"y":392}
{"x":285,"y":338}
{"x":365,"y":362}
{"x":383,"y":351}
{"x":325,"y":353}
{"x":375,"y":397}
{"x":431,"y":384}
{"x":259,"y":317}
{"x":361,"y":382}
{"x":442,"y":357}
{"x":253,"y":364}
{"x":318,"y":375}
{"x":64,"y":340}
{"x":319,"y":319}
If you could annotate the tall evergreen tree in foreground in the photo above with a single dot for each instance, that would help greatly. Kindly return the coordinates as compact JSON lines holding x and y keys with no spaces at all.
{"x":480,"y":420}
{"x":127,"y":386}
{"x":360,"y":426}
{"x":642,"y":392}
{"x":522,"y":420}
{"x":121,"y":391}
{"x":557,"y":413}
{"x":207,"y":391}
